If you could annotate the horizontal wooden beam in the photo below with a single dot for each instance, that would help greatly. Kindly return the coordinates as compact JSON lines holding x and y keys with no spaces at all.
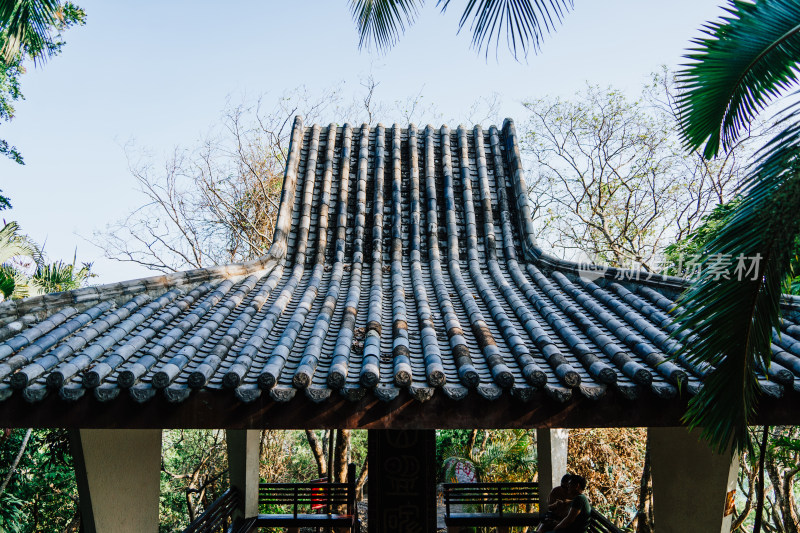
{"x":220,"y":409}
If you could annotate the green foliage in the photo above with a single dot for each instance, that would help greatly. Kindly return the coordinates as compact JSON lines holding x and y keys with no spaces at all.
{"x":497,"y":455}
{"x":16,"y":250}
{"x":733,"y":317}
{"x":194,"y":473}
{"x":42,"y":495}
{"x":523,"y":22}
{"x":742,"y":63}
{"x":60,"y":276}
{"x":29,"y":30}
{"x":676,"y":254}
{"x":5,"y":202}
{"x":745,"y":61}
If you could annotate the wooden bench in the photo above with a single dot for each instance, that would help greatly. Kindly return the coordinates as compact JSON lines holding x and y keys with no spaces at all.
{"x":218,"y":518}
{"x":293,"y":505}
{"x":485,"y":505}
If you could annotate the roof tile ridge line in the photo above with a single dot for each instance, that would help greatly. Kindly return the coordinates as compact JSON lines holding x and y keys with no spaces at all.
{"x":621,"y":335}
{"x":283,"y":224}
{"x":400,"y":340}
{"x":532,"y":250}
{"x":639,"y":336}
{"x":525,"y":214}
{"x":595,"y":366}
{"x":66,"y":370}
{"x":80,"y":339}
{"x":272,"y":370}
{"x":243,"y":363}
{"x":501,"y":373}
{"x":127,"y":348}
{"x":463,"y":360}
{"x":532,"y":372}
{"x":230,"y":301}
{"x":613,"y":350}
{"x":309,"y":360}
{"x":663,"y":322}
{"x":369,"y":376}
{"x":209,"y":365}
{"x":135,"y":371}
{"x":665,"y":303}
{"x":94,"y":293}
{"x":27,"y":354}
{"x":339,"y":370}
{"x":434,"y":368}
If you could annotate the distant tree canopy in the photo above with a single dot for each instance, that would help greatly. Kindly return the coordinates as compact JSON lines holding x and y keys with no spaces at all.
{"x":609,"y":180}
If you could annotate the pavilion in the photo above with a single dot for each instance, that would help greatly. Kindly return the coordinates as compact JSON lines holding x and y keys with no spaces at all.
{"x":403,"y":292}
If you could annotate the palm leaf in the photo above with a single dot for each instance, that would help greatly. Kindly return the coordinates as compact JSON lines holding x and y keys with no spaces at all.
{"x":524,"y":22}
{"x":741,"y":64}
{"x":382,"y":21}
{"x":14,"y":284}
{"x":734,"y":317}
{"x":59,"y":277}
{"x":28,"y":24}
{"x":13,"y":244}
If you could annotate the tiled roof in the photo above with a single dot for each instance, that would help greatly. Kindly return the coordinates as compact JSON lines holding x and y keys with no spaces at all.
{"x":403,"y":258}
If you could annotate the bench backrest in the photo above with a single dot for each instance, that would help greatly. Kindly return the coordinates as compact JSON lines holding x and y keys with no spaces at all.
{"x":308,"y":497}
{"x":600,"y":524}
{"x":218,"y":515}
{"x":496,"y":494}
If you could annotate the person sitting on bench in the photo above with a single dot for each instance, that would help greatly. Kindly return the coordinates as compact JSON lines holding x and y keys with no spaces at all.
{"x":580,"y":511}
{"x":558,"y":503}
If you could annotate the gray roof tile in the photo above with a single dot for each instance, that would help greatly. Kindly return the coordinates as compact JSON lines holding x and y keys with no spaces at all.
{"x":403,"y":259}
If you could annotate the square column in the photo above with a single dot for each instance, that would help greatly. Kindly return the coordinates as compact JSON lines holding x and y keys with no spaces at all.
{"x":690,"y":482}
{"x":118,"y":472}
{"x":551,"y":453}
{"x":244,"y":450}
{"x":402,"y":489}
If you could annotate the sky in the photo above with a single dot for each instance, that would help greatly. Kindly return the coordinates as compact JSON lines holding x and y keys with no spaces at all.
{"x":157,"y":75}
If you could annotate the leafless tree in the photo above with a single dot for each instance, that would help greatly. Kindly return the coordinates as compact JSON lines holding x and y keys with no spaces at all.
{"x":215,"y":203}
{"x":610,"y":181}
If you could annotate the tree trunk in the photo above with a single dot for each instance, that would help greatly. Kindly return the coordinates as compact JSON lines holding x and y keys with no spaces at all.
{"x":751,"y":477}
{"x":361,"y":481}
{"x":331,"y":444}
{"x":643,"y":511}
{"x":471,"y":442}
{"x":16,"y":461}
{"x":760,"y":490}
{"x":318,"y":451}
{"x":340,"y":459}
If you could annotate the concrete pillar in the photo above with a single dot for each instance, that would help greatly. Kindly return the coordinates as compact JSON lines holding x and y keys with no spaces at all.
{"x":244,"y":447}
{"x":691,"y":483}
{"x":402,"y":491}
{"x":551,"y":453}
{"x":118,"y":472}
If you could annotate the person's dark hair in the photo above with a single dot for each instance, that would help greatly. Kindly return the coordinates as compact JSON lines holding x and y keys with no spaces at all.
{"x":566,"y":478}
{"x":580,"y":480}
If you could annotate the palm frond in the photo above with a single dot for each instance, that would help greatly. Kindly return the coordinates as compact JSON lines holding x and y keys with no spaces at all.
{"x":28,"y":24}
{"x":59,"y":277}
{"x":382,"y":21}
{"x":14,"y":244}
{"x":742,"y":63}
{"x":524,"y":22}
{"x":14,"y":283}
{"x":734,"y":317}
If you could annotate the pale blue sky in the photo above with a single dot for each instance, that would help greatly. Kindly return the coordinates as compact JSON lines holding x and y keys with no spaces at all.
{"x":159,"y":74}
